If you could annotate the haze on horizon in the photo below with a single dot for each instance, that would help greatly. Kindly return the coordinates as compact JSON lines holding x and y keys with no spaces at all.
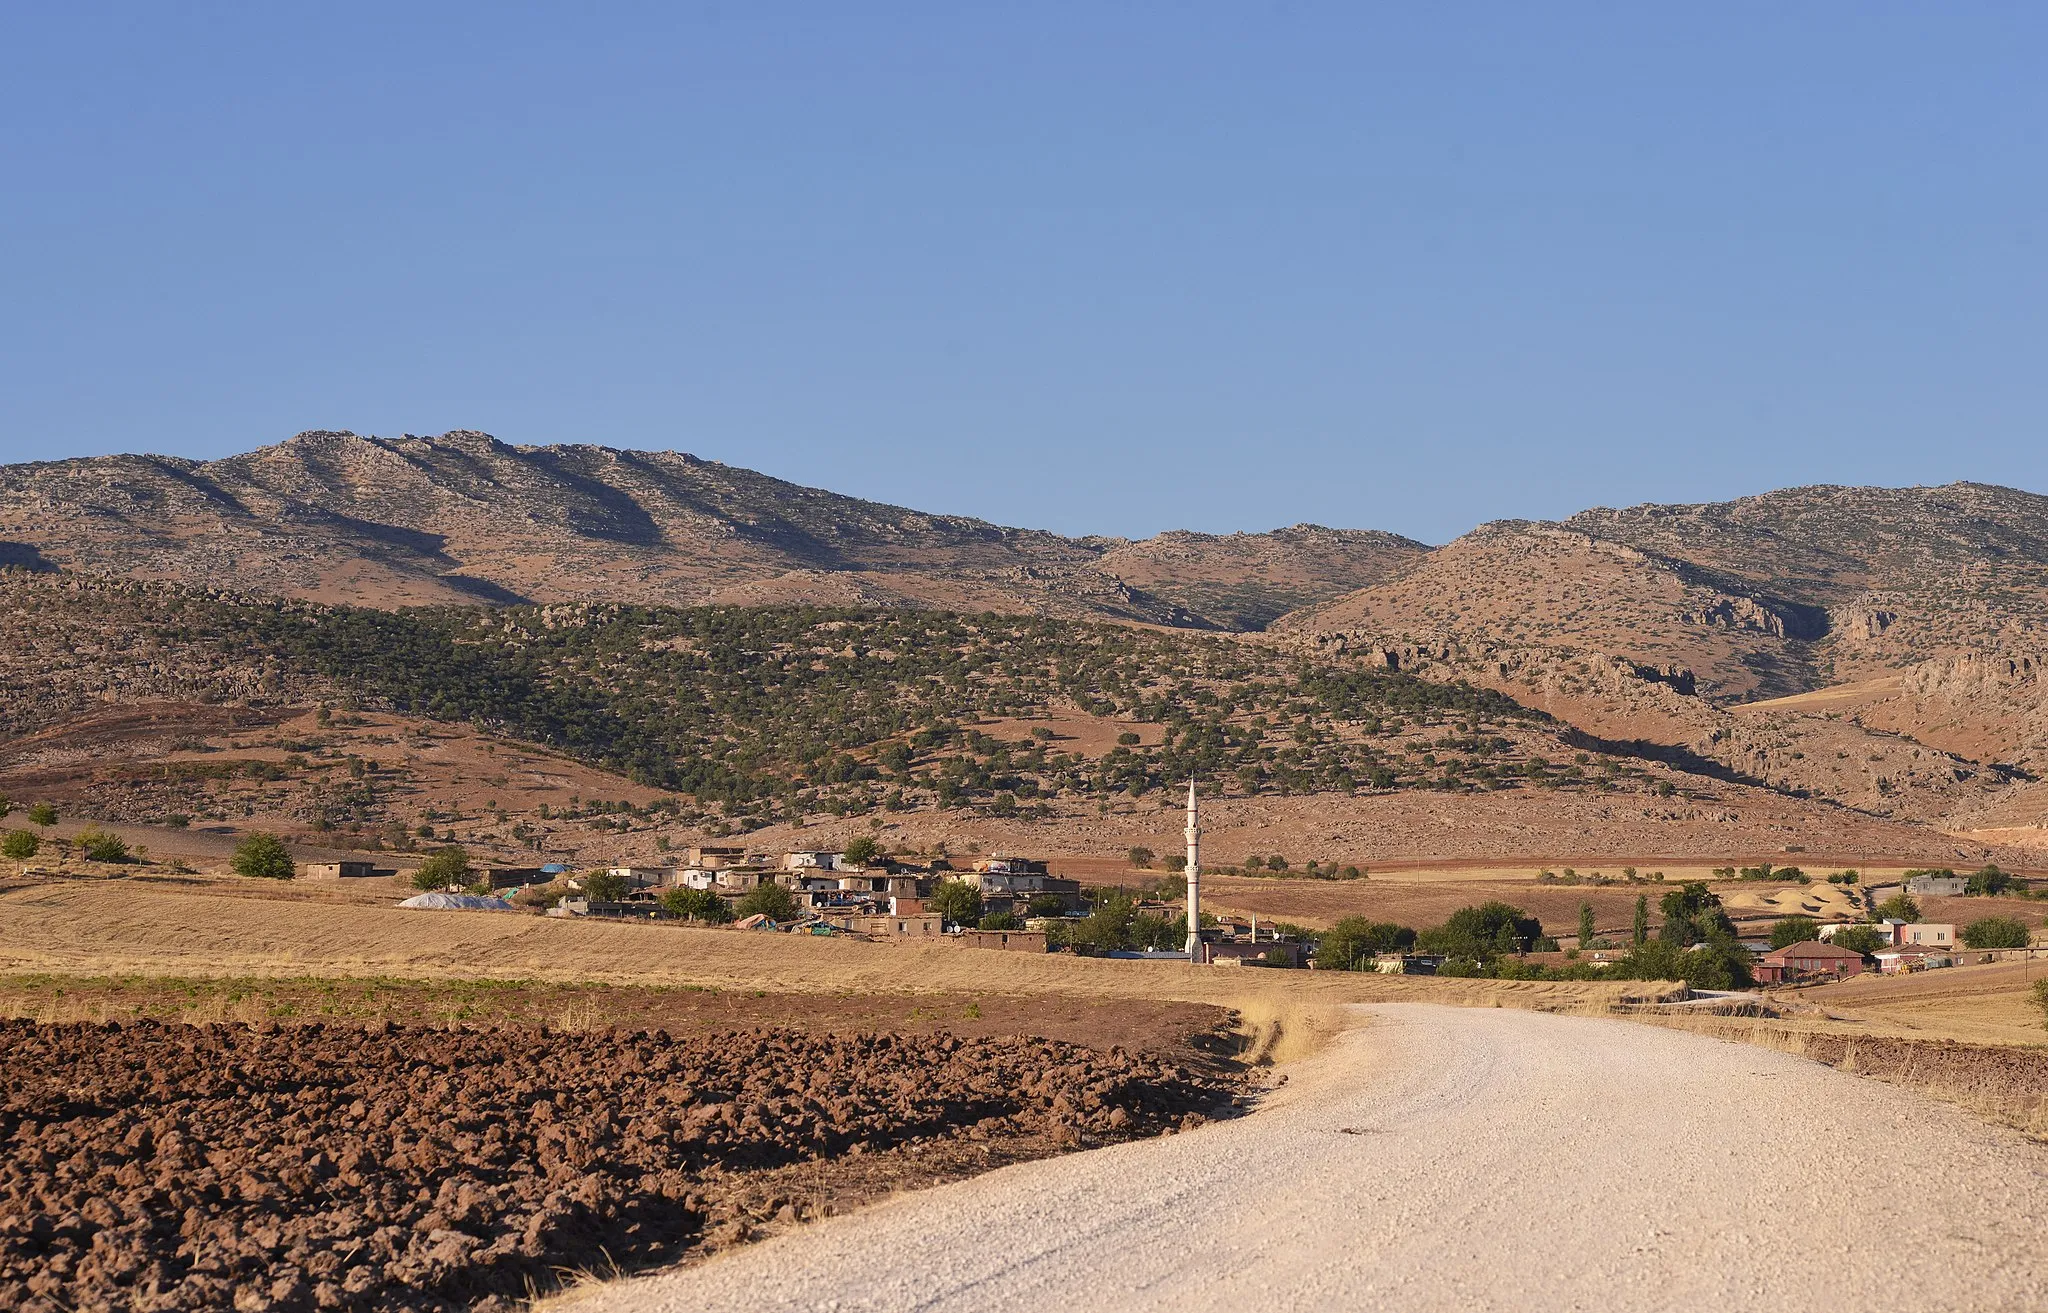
{"x":1098,"y":272}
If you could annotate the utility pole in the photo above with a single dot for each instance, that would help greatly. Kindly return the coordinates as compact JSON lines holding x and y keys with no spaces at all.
{"x":1194,"y":837}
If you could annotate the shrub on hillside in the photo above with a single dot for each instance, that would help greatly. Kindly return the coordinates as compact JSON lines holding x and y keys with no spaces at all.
{"x":42,"y":814}
{"x":20,"y":845}
{"x":101,"y":845}
{"x":262,"y":857}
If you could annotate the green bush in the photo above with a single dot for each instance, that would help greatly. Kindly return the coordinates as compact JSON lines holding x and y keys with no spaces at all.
{"x":445,"y":868}
{"x":101,"y":845}
{"x":957,"y":901}
{"x":697,"y":905}
{"x":1140,"y":857}
{"x":1481,"y":934}
{"x":1898,"y":908}
{"x":1997,"y":932}
{"x":262,"y":857}
{"x":1001,"y":921}
{"x":863,"y":850}
{"x":1793,"y":930}
{"x":1352,"y":943}
{"x":20,"y":845}
{"x":1046,"y":905}
{"x":770,"y":900}
{"x":604,"y":887}
{"x":2041,"y":999}
{"x":1988,"y":882}
{"x":1862,"y":939}
{"x":42,"y":814}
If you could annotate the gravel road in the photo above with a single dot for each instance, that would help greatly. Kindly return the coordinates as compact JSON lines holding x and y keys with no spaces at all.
{"x":1447,"y":1158}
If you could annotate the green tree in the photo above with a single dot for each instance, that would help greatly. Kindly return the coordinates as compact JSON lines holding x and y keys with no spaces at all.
{"x":1985,"y":883}
{"x":1641,"y":930}
{"x":1898,"y":908}
{"x":1716,"y":964}
{"x":1862,"y":939}
{"x":862,"y":850}
{"x":1692,"y":913}
{"x":697,"y":905}
{"x":2041,"y":999}
{"x":20,"y":845}
{"x":263,"y":857}
{"x":443,"y":869}
{"x":1586,"y":928}
{"x":1046,"y":905}
{"x":770,"y":900}
{"x":1141,"y":857}
{"x":1481,"y":934}
{"x":1106,"y":929}
{"x":957,"y":901}
{"x":604,"y":887}
{"x":1789,"y":930}
{"x":1997,"y":932}
{"x":101,"y":845}
{"x":1352,"y":943}
{"x":42,"y":814}
{"x":1002,"y":921}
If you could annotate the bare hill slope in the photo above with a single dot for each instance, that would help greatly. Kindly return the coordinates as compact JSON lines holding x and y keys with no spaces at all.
{"x":465,"y":518}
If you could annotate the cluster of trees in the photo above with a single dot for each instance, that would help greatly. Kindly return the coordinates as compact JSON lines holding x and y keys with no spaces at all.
{"x":20,"y":845}
{"x":1696,"y":943}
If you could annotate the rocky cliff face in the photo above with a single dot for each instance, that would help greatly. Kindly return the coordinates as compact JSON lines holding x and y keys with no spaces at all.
{"x":1867,"y":645}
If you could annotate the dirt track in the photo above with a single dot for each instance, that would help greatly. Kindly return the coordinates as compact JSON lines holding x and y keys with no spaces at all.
{"x":1462,"y":1158}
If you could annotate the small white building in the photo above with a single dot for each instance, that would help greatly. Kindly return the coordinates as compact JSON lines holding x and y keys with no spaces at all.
{"x":811,"y":860}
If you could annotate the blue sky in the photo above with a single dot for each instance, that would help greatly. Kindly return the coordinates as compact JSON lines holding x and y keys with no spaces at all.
{"x":1093,"y":267}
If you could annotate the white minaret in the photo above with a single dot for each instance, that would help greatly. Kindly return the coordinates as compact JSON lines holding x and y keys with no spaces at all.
{"x":1194,"y":878}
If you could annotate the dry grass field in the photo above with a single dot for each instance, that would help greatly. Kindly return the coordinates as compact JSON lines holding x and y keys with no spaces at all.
{"x":203,"y":928}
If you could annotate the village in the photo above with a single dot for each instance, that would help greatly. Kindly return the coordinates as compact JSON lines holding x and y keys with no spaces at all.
{"x":1015,"y":903}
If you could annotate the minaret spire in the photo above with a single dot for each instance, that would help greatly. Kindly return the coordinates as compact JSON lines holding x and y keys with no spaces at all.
{"x":1194,"y":836}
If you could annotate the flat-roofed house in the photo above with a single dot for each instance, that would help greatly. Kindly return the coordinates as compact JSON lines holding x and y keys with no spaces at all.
{"x":338,"y":870}
{"x":645,"y":877}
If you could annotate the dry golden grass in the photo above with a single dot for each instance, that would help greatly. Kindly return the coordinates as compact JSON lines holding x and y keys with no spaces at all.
{"x":1977,"y":1005}
{"x":1944,"y":1076}
{"x":207,"y":931}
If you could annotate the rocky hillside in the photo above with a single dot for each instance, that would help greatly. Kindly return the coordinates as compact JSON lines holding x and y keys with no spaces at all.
{"x":464,"y":518}
{"x":1876,"y":647}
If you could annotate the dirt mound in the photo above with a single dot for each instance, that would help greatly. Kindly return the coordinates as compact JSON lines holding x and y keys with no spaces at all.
{"x":159,"y":1166}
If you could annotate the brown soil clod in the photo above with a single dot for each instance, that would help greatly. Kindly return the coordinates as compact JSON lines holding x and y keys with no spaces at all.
{"x":155,"y":1165}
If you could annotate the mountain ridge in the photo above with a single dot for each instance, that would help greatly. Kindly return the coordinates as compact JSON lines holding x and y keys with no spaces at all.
{"x":337,"y":516}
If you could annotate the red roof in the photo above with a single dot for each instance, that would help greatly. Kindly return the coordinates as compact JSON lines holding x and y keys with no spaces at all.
{"x":1810,"y":950}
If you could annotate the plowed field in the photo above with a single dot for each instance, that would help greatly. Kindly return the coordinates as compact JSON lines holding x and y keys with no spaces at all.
{"x":163,"y":1166}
